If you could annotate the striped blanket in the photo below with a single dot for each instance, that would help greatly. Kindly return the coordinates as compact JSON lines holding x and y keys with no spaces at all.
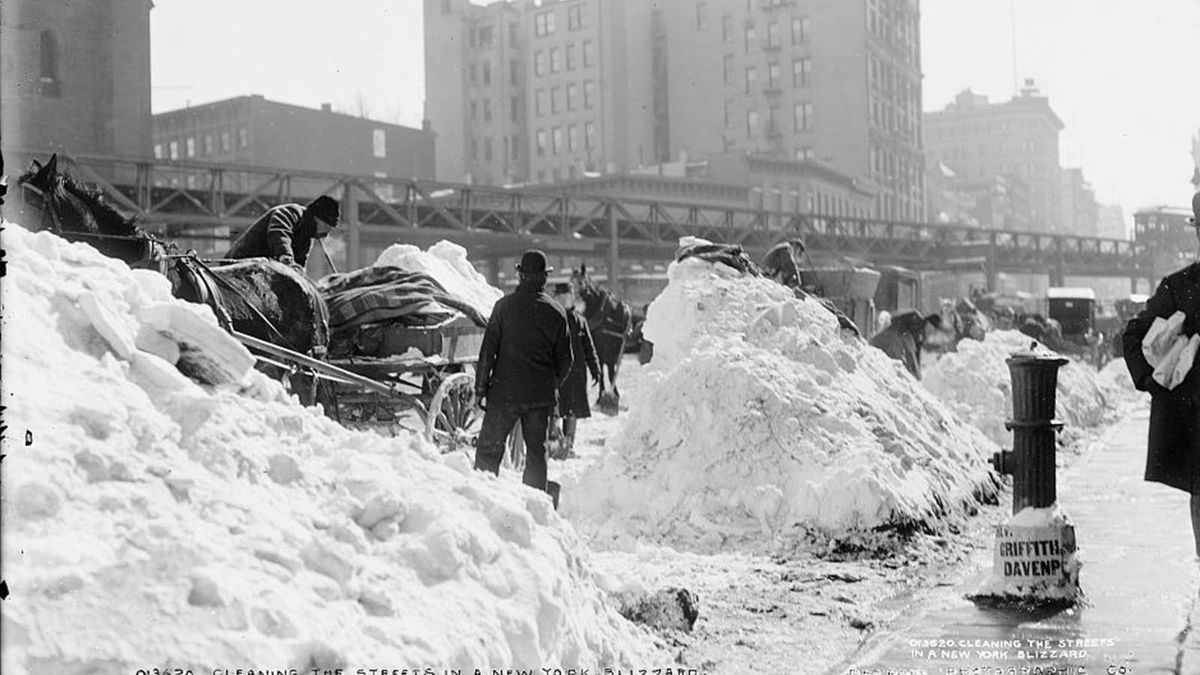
{"x":390,"y":295}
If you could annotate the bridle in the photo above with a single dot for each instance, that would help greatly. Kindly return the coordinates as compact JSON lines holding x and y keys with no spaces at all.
{"x":47,"y":213}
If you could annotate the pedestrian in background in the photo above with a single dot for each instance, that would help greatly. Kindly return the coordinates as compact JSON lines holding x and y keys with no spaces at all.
{"x":1173,"y":446}
{"x":523,"y":361}
{"x":286,"y":232}
{"x":573,"y":395}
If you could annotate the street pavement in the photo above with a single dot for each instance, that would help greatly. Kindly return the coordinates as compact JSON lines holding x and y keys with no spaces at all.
{"x":1139,"y":577}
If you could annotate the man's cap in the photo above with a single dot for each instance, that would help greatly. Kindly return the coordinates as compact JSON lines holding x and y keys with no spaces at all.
{"x":325,"y":208}
{"x":562,"y":288}
{"x":533,"y":262}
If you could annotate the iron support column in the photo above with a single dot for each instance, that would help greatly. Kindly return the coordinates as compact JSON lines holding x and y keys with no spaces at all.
{"x":354,"y":240}
{"x":612,"y":249}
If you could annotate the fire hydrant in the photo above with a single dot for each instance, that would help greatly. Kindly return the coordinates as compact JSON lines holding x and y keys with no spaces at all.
{"x":1031,"y":462}
{"x":1035,"y":558}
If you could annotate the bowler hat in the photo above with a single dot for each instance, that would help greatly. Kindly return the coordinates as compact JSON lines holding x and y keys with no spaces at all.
{"x":533,"y":262}
{"x":562,"y":288}
{"x":325,"y":208}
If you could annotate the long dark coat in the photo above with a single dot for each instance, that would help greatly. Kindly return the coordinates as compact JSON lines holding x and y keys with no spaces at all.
{"x":573,"y":396}
{"x":282,"y":231}
{"x":526,"y":351}
{"x":1173,"y":447}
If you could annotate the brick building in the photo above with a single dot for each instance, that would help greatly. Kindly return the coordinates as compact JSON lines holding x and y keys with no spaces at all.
{"x":75,"y":76}
{"x":1016,"y":140}
{"x":547,"y":90}
{"x":255,"y":131}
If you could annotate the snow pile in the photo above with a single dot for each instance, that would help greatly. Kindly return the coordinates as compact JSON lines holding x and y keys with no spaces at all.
{"x":759,"y":425}
{"x":976,"y":382}
{"x":150,"y":520}
{"x":447,"y":262}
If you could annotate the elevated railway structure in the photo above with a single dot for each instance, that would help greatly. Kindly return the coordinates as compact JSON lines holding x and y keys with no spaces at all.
{"x":206,"y":204}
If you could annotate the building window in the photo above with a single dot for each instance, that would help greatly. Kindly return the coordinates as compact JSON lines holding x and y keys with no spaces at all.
{"x":749,"y":37}
{"x":751,"y":77}
{"x":486,"y":37}
{"x":514,"y":71}
{"x":556,"y":140}
{"x":471,"y":73}
{"x":225,"y":141}
{"x":575,"y":17}
{"x":48,"y":59}
{"x":804,"y":153}
{"x":208,"y":144}
{"x":474,"y":108}
{"x":773,"y":35}
{"x":727,"y":28}
{"x":512,"y":34}
{"x":572,"y":138}
{"x":191,"y":147}
{"x":541,"y":142}
{"x":243,"y":137}
{"x":728,"y":114}
{"x":751,"y":122}
{"x":474,"y":149}
{"x":572,"y":95}
{"x":516,"y":147}
{"x":554,"y":100}
{"x":589,"y":135}
{"x":589,"y":53}
{"x":800,"y":30}
{"x":773,"y":75}
{"x":539,"y":63}
{"x":158,"y":151}
{"x":802,"y":114}
{"x":727,"y":68}
{"x":487,"y":149}
{"x":543,"y":24}
{"x":555,"y":61}
{"x":173,"y":149}
{"x":487,"y":73}
{"x":570,"y":49}
{"x":487,"y":111}
{"x":801,"y":69}
{"x":701,"y":18}
{"x":589,"y":94}
{"x":539,"y":102}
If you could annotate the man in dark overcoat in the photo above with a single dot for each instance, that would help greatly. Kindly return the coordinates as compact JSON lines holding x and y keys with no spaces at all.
{"x":573,"y":396}
{"x":286,"y":232}
{"x":1173,"y":446}
{"x":524,"y":359}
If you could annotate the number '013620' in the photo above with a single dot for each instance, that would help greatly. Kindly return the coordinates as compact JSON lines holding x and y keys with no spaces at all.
{"x":164,"y":671}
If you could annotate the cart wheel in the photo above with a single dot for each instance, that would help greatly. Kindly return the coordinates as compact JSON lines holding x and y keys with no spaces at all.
{"x":453,"y":421}
{"x":515,"y":457}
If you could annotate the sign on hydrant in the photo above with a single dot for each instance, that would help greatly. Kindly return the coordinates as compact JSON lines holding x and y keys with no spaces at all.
{"x":1035,"y":558}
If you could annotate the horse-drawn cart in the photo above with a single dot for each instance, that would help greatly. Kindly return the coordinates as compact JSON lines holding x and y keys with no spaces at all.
{"x":431,"y":370}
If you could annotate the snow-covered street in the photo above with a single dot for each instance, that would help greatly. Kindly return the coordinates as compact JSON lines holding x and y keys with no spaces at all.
{"x":797,"y":482}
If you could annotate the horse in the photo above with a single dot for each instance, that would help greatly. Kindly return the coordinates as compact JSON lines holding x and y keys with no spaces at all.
{"x":611,"y":322}
{"x":257,"y":297}
{"x":961,"y":320}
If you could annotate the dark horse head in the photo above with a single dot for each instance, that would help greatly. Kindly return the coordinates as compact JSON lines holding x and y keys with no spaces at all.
{"x":78,"y":213}
{"x":258,"y":297}
{"x":609,"y":319}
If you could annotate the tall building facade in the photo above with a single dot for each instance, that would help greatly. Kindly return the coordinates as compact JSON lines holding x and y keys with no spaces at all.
{"x":546,"y":90}
{"x":837,"y":81}
{"x":533,"y":91}
{"x":75,"y":76}
{"x":255,"y":131}
{"x":1080,"y":212}
{"x":1017,"y":139}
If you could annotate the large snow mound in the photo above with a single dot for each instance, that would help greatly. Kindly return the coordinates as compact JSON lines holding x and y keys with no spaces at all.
{"x":447,"y":262}
{"x":151,"y":521}
{"x":760,"y":425}
{"x":975,"y":381}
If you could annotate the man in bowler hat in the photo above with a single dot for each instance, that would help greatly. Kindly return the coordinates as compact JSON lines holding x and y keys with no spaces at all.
{"x":525,"y":358}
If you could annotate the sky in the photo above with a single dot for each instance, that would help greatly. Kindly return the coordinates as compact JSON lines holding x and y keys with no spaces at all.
{"x":1119,"y":75}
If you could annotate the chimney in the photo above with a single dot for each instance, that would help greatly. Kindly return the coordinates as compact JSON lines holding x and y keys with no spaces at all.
{"x":326,"y":107}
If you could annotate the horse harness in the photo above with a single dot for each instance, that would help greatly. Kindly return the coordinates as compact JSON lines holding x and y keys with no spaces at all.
{"x":606,"y":318}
